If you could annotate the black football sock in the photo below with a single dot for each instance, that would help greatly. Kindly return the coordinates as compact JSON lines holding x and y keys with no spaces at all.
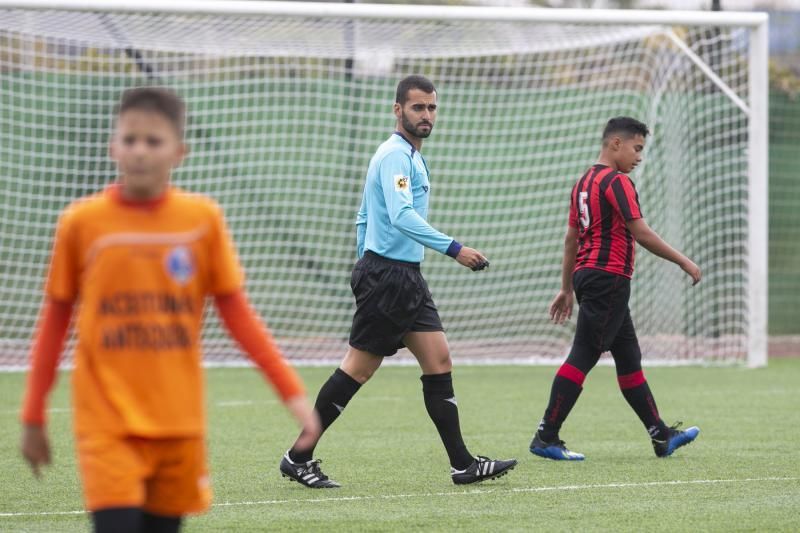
{"x":117,"y":520}
{"x":440,"y":401}
{"x":567,"y":386}
{"x":152,"y":523}
{"x":637,"y":393}
{"x":333,"y":397}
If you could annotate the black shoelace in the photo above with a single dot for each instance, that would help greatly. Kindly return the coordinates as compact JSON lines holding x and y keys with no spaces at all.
{"x":674,"y":428}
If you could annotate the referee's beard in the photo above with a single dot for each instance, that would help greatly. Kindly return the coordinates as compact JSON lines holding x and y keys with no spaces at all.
{"x":414,"y":130}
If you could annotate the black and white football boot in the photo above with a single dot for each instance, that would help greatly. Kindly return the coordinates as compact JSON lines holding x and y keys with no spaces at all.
{"x":307,"y":474}
{"x":482,"y":468}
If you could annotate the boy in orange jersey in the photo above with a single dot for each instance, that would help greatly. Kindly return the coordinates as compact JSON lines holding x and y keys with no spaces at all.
{"x":140,"y":257}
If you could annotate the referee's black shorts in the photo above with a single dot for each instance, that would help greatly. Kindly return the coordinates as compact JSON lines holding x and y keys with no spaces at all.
{"x":392,"y":299}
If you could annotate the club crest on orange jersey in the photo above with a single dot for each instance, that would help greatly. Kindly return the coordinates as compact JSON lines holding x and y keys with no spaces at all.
{"x":180,"y":264}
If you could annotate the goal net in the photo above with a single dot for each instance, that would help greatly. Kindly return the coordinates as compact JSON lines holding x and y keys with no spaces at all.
{"x":287,"y":107}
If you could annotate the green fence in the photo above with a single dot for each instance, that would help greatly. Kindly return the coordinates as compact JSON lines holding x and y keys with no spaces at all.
{"x":784,"y":214}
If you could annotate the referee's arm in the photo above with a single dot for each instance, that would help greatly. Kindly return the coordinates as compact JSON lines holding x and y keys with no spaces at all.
{"x":395,"y":172}
{"x":361,"y":227}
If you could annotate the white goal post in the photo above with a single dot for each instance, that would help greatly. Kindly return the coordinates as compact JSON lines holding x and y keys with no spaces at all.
{"x":288,"y":101}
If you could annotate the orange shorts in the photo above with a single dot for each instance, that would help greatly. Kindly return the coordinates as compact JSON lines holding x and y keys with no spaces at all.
{"x":167,"y":477}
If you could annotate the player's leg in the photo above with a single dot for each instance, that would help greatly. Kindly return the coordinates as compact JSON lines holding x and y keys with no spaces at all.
{"x":355,"y":370}
{"x":132,"y":520}
{"x":600,"y":297}
{"x":117,"y":520}
{"x":564,"y":392}
{"x":628,"y":360}
{"x":432,"y":351}
{"x":433,"y":354}
{"x":632,"y":383}
{"x":357,"y":367}
{"x":152,"y":523}
{"x":373,"y":335}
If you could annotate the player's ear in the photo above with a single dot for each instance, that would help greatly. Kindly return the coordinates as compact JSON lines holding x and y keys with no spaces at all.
{"x":111,"y":152}
{"x":398,"y":110}
{"x":180,"y":155}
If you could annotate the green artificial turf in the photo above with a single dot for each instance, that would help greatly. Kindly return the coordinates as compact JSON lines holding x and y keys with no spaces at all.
{"x":740,"y":475}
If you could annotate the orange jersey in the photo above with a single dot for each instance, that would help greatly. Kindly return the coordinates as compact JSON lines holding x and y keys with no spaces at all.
{"x":141,"y":275}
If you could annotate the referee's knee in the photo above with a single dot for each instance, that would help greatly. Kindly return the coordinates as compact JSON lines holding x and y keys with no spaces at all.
{"x":440,"y":363}
{"x":360,"y":365}
{"x":360,"y":373}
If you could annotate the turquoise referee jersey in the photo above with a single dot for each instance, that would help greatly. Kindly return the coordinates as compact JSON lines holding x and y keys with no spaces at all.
{"x":392,"y":220}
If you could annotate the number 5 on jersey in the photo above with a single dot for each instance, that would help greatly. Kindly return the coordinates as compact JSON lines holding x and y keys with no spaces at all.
{"x":583,"y":209}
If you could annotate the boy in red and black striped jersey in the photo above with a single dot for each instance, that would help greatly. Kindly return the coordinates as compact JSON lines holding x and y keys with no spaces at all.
{"x":604,"y":220}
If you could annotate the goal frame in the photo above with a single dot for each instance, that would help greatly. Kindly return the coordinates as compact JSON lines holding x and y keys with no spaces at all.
{"x":756,"y":109}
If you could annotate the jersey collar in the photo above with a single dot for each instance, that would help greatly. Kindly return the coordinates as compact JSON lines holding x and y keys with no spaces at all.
{"x":406,"y":140}
{"x":115,"y":191}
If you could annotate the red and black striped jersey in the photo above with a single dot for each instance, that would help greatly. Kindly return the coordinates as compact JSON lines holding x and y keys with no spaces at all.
{"x":602,"y":201}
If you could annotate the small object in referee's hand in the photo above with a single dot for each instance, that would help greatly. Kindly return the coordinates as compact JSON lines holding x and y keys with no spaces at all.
{"x":481,"y":266}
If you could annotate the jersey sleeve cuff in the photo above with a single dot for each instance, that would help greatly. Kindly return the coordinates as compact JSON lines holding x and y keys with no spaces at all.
{"x":454,"y":249}
{"x":35,"y":420}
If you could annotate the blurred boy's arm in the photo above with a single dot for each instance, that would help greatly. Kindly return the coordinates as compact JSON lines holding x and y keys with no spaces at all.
{"x":256,"y":340}
{"x":47,"y":347}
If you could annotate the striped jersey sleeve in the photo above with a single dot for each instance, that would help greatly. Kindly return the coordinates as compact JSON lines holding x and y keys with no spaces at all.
{"x":623,"y":198}
{"x":573,"y":209}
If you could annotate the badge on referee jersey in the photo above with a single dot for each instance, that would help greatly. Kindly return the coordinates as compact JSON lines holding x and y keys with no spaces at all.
{"x":400,"y":183}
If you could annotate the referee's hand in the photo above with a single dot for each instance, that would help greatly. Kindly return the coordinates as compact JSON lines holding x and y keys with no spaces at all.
{"x":472,"y":258}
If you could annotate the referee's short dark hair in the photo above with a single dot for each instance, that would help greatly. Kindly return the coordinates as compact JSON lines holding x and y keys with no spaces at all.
{"x":625,"y":125}
{"x":161,"y":100}
{"x":412,"y":82}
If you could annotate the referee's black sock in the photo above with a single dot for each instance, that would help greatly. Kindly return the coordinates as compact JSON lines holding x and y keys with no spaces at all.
{"x":440,"y":401}
{"x":567,"y":386}
{"x":636,"y":391}
{"x":331,"y":401}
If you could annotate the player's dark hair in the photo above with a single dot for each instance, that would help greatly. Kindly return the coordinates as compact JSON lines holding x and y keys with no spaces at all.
{"x":412,"y":82}
{"x":161,"y":100}
{"x":625,"y":125}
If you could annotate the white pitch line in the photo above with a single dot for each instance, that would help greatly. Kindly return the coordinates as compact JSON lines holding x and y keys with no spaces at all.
{"x":222,"y":404}
{"x":244,"y":403}
{"x":46,"y":513}
{"x":460,"y":493}
{"x":510,"y":491}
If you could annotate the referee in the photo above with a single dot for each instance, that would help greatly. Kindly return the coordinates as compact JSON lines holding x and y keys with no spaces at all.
{"x":394,"y":308}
